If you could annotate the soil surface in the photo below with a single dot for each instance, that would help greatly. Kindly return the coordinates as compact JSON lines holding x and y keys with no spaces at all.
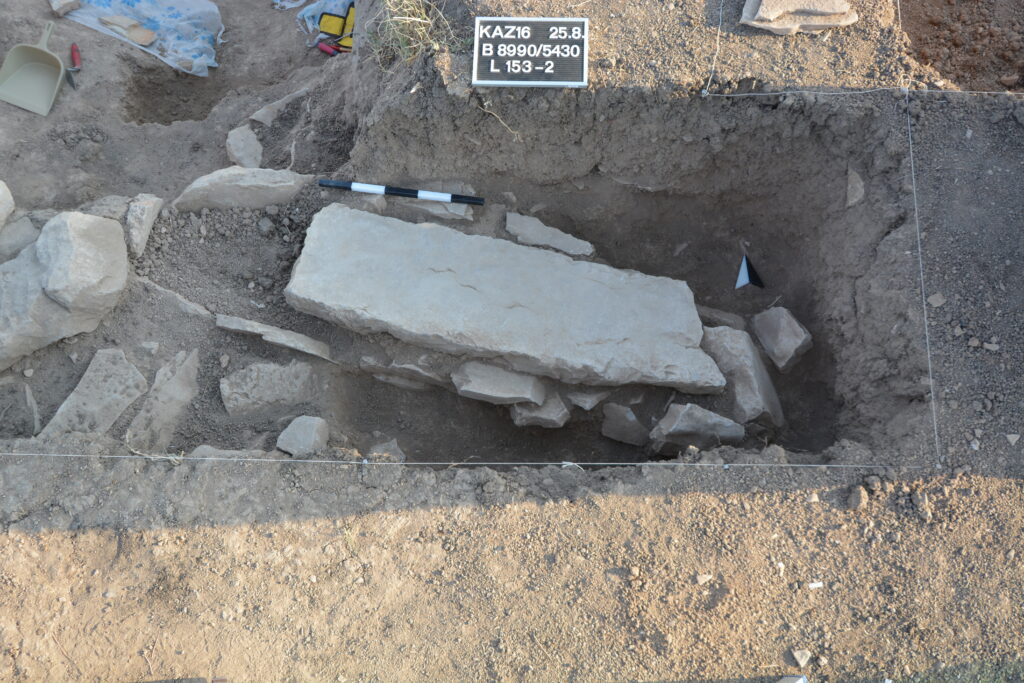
{"x":974,"y":45}
{"x":115,"y":566}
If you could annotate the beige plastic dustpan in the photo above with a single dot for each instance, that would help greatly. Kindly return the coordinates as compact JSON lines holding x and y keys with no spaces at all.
{"x":31,"y":75}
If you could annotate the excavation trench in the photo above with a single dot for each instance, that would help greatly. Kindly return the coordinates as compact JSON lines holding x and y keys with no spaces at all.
{"x":671,"y":186}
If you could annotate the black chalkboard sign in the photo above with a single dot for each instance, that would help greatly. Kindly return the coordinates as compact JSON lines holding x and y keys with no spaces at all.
{"x":531,"y":52}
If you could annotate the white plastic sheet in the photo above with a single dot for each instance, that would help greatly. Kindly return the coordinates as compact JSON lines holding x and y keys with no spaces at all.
{"x":188,"y":31}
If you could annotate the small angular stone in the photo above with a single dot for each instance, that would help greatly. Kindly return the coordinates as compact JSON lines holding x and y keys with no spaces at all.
{"x":492,"y":384}
{"x":112,"y":206}
{"x":802,"y":657}
{"x":621,"y":424}
{"x":782,"y":336}
{"x":138,"y":222}
{"x":244,"y":148}
{"x":304,"y":436}
{"x":553,"y":413}
{"x":529,"y":230}
{"x":62,"y":7}
{"x":712,"y":317}
{"x":689,"y":424}
{"x":854,"y":188}
{"x":588,"y":399}
{"x":858,"y":498}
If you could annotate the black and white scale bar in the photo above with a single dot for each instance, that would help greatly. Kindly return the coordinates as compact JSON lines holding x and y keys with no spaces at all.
{"x":403,"y":192}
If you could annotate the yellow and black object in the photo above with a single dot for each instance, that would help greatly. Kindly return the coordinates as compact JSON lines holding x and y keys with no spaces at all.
{"x":340,"y":27}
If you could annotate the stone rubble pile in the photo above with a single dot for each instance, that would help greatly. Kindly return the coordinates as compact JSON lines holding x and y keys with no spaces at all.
{"x":545,"y":334}
{"x":542,"y":333}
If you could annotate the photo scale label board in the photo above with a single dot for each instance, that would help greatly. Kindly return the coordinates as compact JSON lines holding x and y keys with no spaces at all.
{"x":538,"y":52}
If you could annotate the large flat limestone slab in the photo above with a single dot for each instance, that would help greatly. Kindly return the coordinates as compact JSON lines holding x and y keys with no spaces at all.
{"x":542,"y":312}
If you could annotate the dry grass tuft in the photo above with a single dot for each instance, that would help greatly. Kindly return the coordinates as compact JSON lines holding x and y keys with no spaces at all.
{"x":405,"y":29}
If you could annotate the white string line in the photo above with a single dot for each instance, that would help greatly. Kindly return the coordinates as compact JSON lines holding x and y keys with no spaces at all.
{"x":718,"y":47}
{"x":920,"y":267}
{"x":800,"y":92}
{"x":776,"y":93}
{"x":563,"y":464}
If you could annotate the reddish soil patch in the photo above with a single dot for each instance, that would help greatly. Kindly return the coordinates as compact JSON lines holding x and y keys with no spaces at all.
{"x":977,"y":44}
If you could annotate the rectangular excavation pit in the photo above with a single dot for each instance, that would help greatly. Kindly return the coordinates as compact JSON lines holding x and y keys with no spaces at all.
{"x":670,"y":188}
{"x":814,"y":190}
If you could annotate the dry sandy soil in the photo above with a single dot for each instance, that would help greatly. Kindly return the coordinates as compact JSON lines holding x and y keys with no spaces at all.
{"x":116,"y":567}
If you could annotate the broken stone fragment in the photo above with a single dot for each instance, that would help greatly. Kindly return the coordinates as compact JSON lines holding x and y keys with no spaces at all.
{"x":263,"y":386}
{"x":305,"y":436}
{"x":401,"y":382}
{"x":443,"y":210}
{"x":275,"y":335}
{"x":712,"y":317}
{"x":244,"y":148}
{"x":773,"y":9}
{"x":782,"y":336}
{"x":529,"y":230}
{"x":174,"y":388}
{"x":18,"y":408}
{"x":553,"y":413}
{"x":854,"y":188}
{"x":6,"y":203}
{"x":62,"y":7}
{"x":412,"y":371}
{"x":268,"y":114}
{"x":801,"y":657}
{"x":418,"y":373}
{"x":485,"y":382}
{"x":112,"y":206}
{"x":621,"y":424}
{"x":110,"y":384}
{"x":15,"y":236}
{"x":238,"y":187}
{"x":585,"y":398}
{"x":62,"y":285}
{"x":753,"y":394}
{"x":175,"y":299}
{"x":138,"y":221}
{"x":689,"y":424}
{"x":858,"y":498}
{"x":207,"y":451}
{"x":541,"y":312}
{"x":787,"y":24}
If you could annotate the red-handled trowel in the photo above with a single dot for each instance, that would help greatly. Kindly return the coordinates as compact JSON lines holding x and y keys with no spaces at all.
{"x":76,"y":65}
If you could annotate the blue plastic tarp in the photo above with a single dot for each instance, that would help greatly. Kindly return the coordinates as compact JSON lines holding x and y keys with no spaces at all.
{"x":188,"y":31}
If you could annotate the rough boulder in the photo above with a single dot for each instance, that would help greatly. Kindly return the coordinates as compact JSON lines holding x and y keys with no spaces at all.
{"x":62,"y":285}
